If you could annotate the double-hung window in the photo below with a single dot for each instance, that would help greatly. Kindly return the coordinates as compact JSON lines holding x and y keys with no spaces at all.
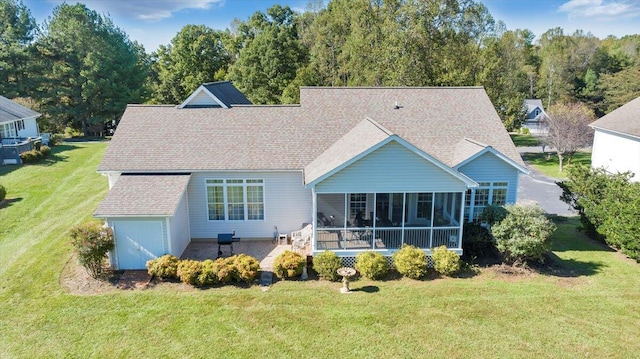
{"x":486,"y":193}
{"x":235,"y":199}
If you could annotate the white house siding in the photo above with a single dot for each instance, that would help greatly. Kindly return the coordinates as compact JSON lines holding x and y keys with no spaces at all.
{"x":489,"y":168}
{"x":203,"y":99}
{"x":179,"y":228}
{"x":616,"y":153}
{"x":391,"y":168}
{"x":287,"y":205}
{"x":30,"y":128}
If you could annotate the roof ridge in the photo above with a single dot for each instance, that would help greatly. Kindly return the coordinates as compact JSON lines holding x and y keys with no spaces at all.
{"x":379,"y":126}
{"x":476,"y":142}
{"x":392,"y":87}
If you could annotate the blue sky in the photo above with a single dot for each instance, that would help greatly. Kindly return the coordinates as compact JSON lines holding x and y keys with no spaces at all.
{"x":155,"y":22}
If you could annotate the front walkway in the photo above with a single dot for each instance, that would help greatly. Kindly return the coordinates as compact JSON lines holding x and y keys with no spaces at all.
{"x":264,"y":251}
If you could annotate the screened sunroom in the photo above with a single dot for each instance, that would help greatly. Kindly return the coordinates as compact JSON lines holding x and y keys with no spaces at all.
{"x":386,"y":221}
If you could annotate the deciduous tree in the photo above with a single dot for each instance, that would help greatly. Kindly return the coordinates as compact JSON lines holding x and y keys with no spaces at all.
{"x":569,"y":129}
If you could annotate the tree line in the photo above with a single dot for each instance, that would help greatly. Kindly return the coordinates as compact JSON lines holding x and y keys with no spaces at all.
{"x":80,"y":70}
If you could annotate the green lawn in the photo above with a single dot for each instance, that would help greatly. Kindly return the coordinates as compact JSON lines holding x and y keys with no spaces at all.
{"x":524,"y":140}
{"x":547,"y":163}
{"x":588,"y":306}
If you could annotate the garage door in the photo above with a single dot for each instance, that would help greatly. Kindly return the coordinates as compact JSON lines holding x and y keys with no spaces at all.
{"x":138,"y":241}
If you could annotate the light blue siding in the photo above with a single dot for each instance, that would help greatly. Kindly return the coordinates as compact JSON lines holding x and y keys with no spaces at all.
{"x":179,"y":236}
{"x":391,"y":168}
{"x":287,"y":205}
{"x":489,"y":168}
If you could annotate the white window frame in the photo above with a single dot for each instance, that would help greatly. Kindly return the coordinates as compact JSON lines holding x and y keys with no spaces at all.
{"x":471,"y":207}
{"x":225,"y":183}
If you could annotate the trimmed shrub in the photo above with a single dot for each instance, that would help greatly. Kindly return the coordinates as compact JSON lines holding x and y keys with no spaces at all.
{"x":224,"y":269}
{"x":288,"y":264}
{"x":209,"y":273}
{"x":30,"y":156}
{"x":189,"y":271}
{"x":165,"y":267}
{"x":445,"y":262}
{"x":56,"y":139}
{"x":245,"y":268}
{"x":326,"y":264}
{"x":372,"y":265}
{"x":525,"y":130}
{"x":45,"y":151}
{"x":493,"y":214}
{"x":3,"y":193}
{"x":411,"y":262}
{"x":92,"y":241}
{"x":524,"y":235}
{"x":477,"y":242}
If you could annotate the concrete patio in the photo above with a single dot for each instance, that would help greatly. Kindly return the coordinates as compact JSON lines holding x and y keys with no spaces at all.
{"x":263,"y":250}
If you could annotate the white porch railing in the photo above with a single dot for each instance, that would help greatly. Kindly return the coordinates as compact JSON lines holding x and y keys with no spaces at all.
{"x":386,"y":238}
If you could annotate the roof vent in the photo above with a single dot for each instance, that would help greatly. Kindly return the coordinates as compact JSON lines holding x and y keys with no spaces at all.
{"x":397,"y":106}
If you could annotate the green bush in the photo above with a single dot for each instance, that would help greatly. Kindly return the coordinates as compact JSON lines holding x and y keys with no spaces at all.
{"x":445,"y":262}
{"x":525,"y":130}
{"x":326,"y":264}
{"x":209,"y":273}
{"x":224,"y":269}
{"x":165,"y":267}
{"x":288,"y":265}
{"x":608,"y":206}
{"x":189,"y":271}
{"x":45,"y":151}
{"x":493,"y":214}
{"x":245,"y":268}
{"x":411,"y":262}
{"x":92,"y":241}
{"x":56,"y":139}
{"x":3,"y":193}
{"x":372,"y":265}
{"x":477,"y":242}
{"x":524,"y":235}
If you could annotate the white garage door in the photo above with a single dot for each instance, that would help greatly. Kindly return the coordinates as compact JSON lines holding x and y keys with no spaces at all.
{"x":138,"y":241}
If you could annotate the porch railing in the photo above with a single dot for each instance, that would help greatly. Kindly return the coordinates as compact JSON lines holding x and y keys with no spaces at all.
{"x":386,"y":238}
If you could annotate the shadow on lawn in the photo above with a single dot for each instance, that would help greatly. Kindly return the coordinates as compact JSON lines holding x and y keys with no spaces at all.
{"x":57,"y":155}
{"x":9,"y":201}
{"x":570,"y":267}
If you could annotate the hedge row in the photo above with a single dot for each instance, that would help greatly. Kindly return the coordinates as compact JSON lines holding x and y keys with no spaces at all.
{"x":238,"y":268}
{"x":35,"y":154}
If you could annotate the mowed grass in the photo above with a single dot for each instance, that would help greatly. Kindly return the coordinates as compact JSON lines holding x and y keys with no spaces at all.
{"x":588,"y":306}
{"x":548,"y":163}
{"x":521,"y":140}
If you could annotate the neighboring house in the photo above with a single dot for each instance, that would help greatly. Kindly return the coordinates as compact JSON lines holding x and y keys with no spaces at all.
{"x":17,"y":125}
{"x":369,"y":168}
{"x":535,"y":117}
{"x":616,"y":141}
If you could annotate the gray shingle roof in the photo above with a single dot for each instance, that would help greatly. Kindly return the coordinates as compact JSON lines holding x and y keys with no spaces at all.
{"x":435,"y":120}
{"x":11,"y":111}
{"x":143,"y":195}
{"x":625,"y":119}
{"x":359,"y":139}
{"x":227,"y":93}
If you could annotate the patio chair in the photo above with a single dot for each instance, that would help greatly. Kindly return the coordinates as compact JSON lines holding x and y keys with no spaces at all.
{"x":300,"y":239}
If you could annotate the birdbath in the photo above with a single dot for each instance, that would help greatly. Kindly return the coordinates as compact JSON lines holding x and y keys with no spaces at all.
{"x":346,"y":273}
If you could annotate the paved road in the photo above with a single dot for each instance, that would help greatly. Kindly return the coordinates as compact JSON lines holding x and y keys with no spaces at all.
{"x":542,"y":189}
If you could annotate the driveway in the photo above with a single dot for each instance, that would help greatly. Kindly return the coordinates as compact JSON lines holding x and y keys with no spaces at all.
{"x":542,"y":189}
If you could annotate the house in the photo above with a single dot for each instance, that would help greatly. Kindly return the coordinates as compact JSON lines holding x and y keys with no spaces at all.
{"x":535,"y":117}
{"x":616,"y":140}
{"x":18,"y":125}
{"x":367,"y":168}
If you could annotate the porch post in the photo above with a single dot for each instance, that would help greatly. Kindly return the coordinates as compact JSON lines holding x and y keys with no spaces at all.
{"x":314,"y":217}
{"x":464,"y":194}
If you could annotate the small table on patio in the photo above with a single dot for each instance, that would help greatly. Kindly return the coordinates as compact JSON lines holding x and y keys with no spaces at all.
{"x":226,"y":239}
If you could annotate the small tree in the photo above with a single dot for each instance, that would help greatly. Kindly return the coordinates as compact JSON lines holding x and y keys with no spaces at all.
{"x":524,"y":234}
{"x":3,"y":193}
{"x":569,"y":129}
{"x":92,"y":241}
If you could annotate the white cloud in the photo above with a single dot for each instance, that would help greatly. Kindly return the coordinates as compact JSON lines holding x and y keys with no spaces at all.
{"x":147,"y":10}
{"x":600,"y":9}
